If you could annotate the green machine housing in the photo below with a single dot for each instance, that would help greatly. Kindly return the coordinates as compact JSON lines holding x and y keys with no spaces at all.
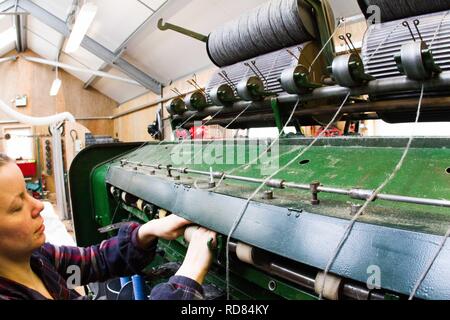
{"x":291,"y":228}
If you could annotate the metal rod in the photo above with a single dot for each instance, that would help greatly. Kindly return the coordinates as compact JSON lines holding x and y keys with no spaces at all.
{"x":89,"y":71}
{"x":353,"y":193}
{"x":168,"y":26}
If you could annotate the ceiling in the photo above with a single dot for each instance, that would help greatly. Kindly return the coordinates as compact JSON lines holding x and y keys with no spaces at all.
{"x":131,"y":25}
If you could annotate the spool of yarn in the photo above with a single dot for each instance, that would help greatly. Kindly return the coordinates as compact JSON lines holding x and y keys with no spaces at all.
{"x":270,"y":27}
{"x":399,"y":9}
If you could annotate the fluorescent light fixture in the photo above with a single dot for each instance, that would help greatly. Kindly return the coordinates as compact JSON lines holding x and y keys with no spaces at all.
{"x":81,"y":26}
{"x":55,"y":87}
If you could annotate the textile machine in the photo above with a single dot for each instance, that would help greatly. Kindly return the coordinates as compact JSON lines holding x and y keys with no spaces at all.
{"x":335,"y":217}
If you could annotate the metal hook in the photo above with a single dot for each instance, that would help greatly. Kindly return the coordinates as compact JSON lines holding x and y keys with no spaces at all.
{"x":256,"y":71}
{"x":406,"y":24}
{"x":225,"y":77}
{"x":177,"y":92}
{"x":349,"y":37}
{"x":162,"y":25}
{"x":260,"y":73}
{"x":194,"y":83}
{"x":293,"y":55}
{"x":416,"y":24}
{"x":343,"y":38}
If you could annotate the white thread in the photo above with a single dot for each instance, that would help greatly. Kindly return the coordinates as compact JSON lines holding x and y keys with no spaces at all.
{"x":371,"y":198}
{"x":241,"y":215}
{"x":326,"y":43}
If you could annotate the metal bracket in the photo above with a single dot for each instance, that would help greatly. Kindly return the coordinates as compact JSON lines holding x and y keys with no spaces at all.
{"x":192,"y":34}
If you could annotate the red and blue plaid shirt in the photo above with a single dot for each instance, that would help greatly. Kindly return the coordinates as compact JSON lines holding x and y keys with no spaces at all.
{"x":117,"y":257}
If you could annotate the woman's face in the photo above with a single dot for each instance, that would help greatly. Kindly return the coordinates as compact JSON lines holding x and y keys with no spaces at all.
{"x":21,"y":225}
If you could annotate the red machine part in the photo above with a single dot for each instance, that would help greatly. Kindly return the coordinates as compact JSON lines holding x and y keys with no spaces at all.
{"x":28,"y":167}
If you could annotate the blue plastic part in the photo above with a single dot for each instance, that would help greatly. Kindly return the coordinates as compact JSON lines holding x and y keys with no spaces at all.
{"x":124,"y":281}
{"x":138,"y":288}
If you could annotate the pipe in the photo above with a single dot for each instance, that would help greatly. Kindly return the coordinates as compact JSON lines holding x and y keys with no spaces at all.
{"x":58,"y":169}
{"x":6,"y":59}
{"x":84,"y":70}
{"x":36,"y":121}
{"x":359,"y":194}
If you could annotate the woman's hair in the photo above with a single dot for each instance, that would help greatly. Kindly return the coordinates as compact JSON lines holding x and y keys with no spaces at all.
{"x":4,"y":159}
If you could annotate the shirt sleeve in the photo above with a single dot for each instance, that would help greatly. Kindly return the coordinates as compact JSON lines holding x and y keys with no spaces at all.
{"x":178,"y":288}
{"x":116,"y":257}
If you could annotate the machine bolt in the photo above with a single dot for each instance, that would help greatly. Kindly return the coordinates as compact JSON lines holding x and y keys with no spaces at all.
{"x":314,"y":193}
{"x":355,"y":209}
{"x":211,"y":184}
{"x":268,"y":195}
{"x":169,"y":171}
{"x":272,"y":285}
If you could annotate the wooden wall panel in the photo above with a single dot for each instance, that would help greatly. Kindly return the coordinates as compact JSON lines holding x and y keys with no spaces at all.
{"x":99,"y":127}
{"x":133,"y":126}
{"x":35,"y":80}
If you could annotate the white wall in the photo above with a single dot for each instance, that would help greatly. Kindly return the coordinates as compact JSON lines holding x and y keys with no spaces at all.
{"x":383,"y":129}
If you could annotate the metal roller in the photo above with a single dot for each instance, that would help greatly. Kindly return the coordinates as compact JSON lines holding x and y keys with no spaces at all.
{"x":251,"y":88}
{"x":196,"y":101}
{"x":272,"y":26}
{"x":222,"y":95}
{"x":383,"y":42}
{"x":398,"y":9}
{"x":296,"y":80}
{"x":148,"y":209}
{"x":416,"y":61}
{"x":348,"y":70}
{"x":177,"y":107}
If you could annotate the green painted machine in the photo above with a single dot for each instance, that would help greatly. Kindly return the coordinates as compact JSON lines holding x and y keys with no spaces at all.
{"x":285,"y":237}
{"x":291,"y":234}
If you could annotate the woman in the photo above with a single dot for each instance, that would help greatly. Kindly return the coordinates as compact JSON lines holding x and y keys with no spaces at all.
{"x":33,"y":269}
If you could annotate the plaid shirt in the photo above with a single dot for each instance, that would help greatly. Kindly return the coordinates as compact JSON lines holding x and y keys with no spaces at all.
{"x":117,"y":257}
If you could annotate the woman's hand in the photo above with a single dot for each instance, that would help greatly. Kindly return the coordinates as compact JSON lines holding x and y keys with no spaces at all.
{"x":168,"y":228}
{"x":199,"y":255}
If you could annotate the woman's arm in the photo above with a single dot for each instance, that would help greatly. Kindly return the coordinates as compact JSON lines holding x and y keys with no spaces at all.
{"x":186,"y":284}
{"x":126,"y":254}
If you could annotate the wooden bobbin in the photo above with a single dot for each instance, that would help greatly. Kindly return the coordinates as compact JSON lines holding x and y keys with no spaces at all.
{"x":244,"y":253}
{"x":332,"y":287}
{"x":162,"y":213}
{"x":140,"y":204}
